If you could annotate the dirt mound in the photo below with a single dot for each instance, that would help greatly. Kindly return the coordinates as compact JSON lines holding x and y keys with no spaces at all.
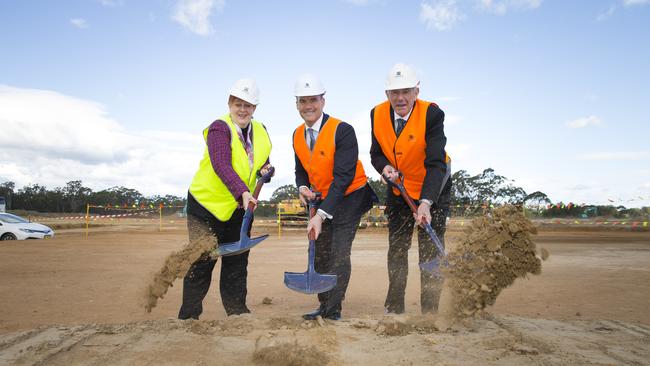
{"x":490,"y":340}
{"x":493,"y":252}
{"x":290,"y":354}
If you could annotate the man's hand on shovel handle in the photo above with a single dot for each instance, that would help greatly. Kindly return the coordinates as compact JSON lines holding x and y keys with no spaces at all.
{"x":306,"y":195}
{"x":423,"y":214}
{"x":316,"y":224}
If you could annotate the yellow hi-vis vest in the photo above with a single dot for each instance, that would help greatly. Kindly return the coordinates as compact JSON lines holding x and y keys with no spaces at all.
{"x":208,"y":189}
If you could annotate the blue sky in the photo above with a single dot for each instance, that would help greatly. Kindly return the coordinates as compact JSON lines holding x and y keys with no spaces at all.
{"x":552,"y":94}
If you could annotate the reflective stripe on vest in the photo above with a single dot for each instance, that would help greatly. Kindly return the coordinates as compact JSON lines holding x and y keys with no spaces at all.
{"x":408,"y":152}
{"x":208,"y":189}
{"x":319,"y":164}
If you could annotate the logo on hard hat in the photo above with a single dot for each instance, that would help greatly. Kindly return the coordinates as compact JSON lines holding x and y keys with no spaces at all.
{"x":399,"y":73}
{"x":307,"y":85}
{"x":246,"y":90}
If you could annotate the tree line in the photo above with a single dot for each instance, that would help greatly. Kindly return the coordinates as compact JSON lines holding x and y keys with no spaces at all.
{"x":471,"y":195}
{"x":74,"y":196}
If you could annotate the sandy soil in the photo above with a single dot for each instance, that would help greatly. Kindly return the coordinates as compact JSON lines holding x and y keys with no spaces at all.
{"x":73,"y":300}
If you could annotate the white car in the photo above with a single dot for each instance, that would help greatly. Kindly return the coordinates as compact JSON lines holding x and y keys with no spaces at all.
{"x":14,"y":227}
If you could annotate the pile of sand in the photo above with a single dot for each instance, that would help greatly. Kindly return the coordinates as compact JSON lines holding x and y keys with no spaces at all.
{"x":493,"y":252}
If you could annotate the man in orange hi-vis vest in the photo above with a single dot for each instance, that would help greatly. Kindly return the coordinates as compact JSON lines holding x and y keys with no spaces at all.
{"x":408,"y":136}
{"x":326,"y":154}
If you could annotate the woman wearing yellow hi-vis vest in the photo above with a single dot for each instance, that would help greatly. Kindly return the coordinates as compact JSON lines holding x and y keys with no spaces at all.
{"x":237,"y":148}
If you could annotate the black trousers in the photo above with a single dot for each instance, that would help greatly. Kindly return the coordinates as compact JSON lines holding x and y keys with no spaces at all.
{"x":234,"y":269}
{"x":334,"y":245}
{"x":400,"y":235}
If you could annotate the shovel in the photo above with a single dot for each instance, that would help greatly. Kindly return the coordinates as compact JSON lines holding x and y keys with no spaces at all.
{"x":245,"y":242}
{"x":432,"y":266}
{"x":310,"y":282}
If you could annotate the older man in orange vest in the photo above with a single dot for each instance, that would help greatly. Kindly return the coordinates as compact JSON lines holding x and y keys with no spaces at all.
{"x":408,"y":136}
{"x":326,"y":154}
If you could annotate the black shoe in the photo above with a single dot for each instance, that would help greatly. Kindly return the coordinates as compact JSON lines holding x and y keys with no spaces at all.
{"x":333,"y":315}
{"x":314,"y":314}
{"x":239,"y":311}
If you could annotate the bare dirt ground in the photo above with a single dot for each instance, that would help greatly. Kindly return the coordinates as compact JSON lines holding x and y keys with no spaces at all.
{"x":72,"y":300}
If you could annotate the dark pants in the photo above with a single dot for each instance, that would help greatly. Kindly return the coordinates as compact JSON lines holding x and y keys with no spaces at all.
{"x":400,"y":234}
{"x":232,"y":282}
{"x":334,"y":245}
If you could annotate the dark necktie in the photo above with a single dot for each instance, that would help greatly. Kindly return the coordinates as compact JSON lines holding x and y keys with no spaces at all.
{"x":312,"y":140}
{"x":400,"y":126}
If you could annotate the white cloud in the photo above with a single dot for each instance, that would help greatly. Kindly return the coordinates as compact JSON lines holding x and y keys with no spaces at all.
{"x":616,"y":156}
{"x":501,"y":7}
{"x":50,"y":138}
{"x":111,"y":3}
{"x":581,"y":187}
{"x":584,"y":122}
{"x":448,"y":99}
{"x":458,"y":152}
{"x":194,"y":14}
{"x":452,"y":119}
{"x":605,"y":15}
{"x":79,"y":23}
{"x":441,"y":15}
{"x":357,"y":2}
{"x":635,"y":2}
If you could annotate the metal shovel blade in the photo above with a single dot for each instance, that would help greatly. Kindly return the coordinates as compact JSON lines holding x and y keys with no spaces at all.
{"x":433,"y":266}
{"x":310,"y":282}
{"x":245,"y":242}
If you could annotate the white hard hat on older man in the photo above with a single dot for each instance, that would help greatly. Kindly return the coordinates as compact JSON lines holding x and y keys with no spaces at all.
{"x":401,"y":76}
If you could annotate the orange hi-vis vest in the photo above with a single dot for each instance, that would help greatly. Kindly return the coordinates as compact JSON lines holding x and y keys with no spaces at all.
{"x":406,"y":153}
{"x":319,"y":163}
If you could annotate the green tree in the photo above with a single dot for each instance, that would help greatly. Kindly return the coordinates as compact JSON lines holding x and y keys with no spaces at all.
{"x":7,"y":191}
{"x":76,"y":195}
{"x":288,"y":191}
{"x":379,"y":188}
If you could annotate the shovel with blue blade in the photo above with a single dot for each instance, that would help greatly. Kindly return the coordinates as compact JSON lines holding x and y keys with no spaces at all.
{"x":310,"y":282}
{"x":245,"y":242}
{"x":432,"y":266}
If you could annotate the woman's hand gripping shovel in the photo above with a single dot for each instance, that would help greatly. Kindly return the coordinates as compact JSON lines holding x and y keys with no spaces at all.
{"x":310,"y":282}
{"x":245,"y":242}
{"x":432,"y":266}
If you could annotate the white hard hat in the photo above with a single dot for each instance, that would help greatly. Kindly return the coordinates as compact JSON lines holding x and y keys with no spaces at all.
{"x":401,"y":76}
{"x":308,"y":85}
{"x":246,"y":89}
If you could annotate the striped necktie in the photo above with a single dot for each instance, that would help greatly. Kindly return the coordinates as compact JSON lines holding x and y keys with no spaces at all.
{"x":312,"y":139}
{"x":400,"y":126}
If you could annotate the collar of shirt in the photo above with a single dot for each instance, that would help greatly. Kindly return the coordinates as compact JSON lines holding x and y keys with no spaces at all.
{"x":396,"y":116}
{"x":317,"y":125}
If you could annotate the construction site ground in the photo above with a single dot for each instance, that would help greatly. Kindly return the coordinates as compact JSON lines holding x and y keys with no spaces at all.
{"x":76,"y":300}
